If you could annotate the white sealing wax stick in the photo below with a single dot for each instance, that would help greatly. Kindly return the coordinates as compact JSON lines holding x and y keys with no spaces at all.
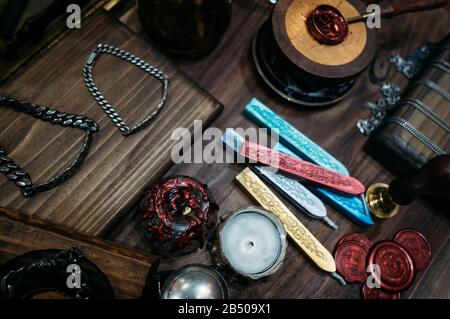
{"x":253,"y":242}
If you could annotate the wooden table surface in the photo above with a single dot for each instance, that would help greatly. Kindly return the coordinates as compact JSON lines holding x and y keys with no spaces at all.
{"x":228,"y":74}
{"x":126,"y":269}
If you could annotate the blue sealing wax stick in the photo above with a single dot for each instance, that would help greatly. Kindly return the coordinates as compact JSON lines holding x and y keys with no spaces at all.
{"x":353,"y":207}
{"x":292,"y":138}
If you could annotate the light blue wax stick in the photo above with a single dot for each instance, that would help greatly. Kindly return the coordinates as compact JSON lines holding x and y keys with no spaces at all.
{"x":292,"y":138}
{"x":353,"y":207}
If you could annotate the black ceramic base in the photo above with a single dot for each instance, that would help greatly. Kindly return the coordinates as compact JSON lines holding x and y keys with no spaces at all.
{"x":288,"y":81}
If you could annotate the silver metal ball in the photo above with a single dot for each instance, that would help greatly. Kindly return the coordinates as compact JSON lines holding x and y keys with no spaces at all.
{"x":195,"y":282}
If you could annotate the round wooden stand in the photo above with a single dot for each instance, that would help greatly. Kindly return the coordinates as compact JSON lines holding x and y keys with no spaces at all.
{"x":301,"y":70}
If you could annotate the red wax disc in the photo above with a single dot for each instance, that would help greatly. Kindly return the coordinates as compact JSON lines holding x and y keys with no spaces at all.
{"x":396,"y":267}
{"x":376,"y":293}
{"x":350,"y":259}
{"x":417,"y":245}
{"x":361,"y":238}
{"x":327,"y":25}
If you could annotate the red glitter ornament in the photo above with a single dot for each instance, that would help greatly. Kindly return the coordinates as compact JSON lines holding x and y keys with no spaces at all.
{"x":176,"y":214}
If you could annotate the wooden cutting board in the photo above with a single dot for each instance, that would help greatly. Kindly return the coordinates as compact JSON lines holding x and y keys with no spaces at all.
{"x":118,"y":168}
{"x":126,"y":269}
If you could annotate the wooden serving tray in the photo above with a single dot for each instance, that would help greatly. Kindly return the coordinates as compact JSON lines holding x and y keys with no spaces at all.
{"x":118,"y":168}
{"x":126,"y":269}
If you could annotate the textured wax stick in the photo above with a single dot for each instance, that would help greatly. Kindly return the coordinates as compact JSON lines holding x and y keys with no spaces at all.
{"x":353,"y":207}
{"x":298,"y":194}
{"x":293,"y":138}
{"x":292,"y":189}
{"x":302,"y":169}
{"x":300,"y":146}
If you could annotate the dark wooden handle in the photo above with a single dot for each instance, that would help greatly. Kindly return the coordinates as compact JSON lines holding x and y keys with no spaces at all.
{"x":432,"y":178}
{"x":411,"y":6}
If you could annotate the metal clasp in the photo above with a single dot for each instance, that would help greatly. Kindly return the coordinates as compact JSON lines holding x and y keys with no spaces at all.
{"x":91,"y":59}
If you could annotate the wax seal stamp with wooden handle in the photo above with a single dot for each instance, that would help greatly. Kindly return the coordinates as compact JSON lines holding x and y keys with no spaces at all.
{"x":433,"y":178}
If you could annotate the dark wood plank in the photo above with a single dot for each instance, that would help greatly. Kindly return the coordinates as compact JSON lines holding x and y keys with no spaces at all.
{"x":118,"y":168}
{"x":228,"y":75}
{"x":430,"y":286}
{"x":126,"y":269}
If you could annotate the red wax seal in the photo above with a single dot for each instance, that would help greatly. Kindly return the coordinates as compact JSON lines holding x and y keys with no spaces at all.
{"x":375,"y":293}
{"x":417,"y":245}
{"x":176,"y":214}
{"x":396,"y":267}
{"x":350,"y":259}
{"x":361,"y":238}
{"x":327,"y":25}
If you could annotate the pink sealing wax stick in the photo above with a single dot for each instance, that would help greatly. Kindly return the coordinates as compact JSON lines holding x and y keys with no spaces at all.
{"x":302,"y":169}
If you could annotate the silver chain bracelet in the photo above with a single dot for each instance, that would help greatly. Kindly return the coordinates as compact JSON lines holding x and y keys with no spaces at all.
{"x":103,"y":102}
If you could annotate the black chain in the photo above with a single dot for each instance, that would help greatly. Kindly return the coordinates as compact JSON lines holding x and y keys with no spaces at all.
{"x":21,"y":178}
{"x":101,"y":100}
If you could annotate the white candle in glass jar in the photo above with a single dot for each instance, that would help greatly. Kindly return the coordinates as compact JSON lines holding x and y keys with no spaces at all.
{"x":253,"y":241}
